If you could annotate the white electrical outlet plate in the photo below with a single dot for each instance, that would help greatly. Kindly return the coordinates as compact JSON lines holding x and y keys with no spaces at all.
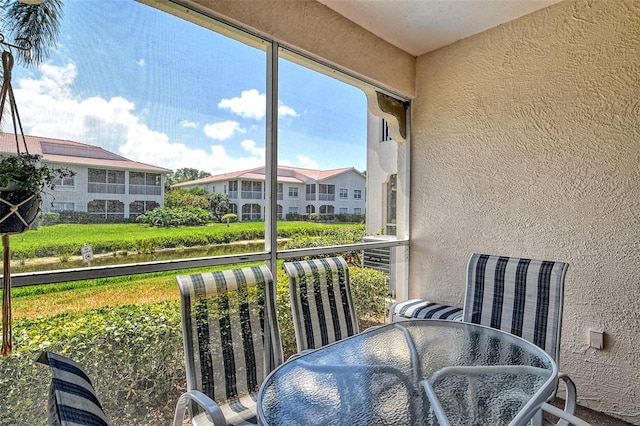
{"x":596,"y":339}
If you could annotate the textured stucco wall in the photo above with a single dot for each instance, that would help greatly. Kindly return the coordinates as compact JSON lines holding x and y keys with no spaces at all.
{"x":526,"y":142}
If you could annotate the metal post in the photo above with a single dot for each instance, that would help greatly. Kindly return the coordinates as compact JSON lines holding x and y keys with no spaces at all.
{"x":6,"y":298}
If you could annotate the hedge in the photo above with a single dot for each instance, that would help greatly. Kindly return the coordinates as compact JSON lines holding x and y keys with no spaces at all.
{"x":133,"y":354}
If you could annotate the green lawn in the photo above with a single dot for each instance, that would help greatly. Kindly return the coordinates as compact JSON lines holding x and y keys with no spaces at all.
{"x":67,"y":239}
{"x":34,"y":301}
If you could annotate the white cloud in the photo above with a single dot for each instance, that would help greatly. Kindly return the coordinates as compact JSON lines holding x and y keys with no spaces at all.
{"x":140,"y":62}
{"x":48,"y":108}
{"x":222,"y":130}
{"x":307,"y":162}
{"x":250,"y":146}
{"x":250,"y":104}
{"x":188,"y":124}
{"x":253,"y":104}
{"x":284,"y":110}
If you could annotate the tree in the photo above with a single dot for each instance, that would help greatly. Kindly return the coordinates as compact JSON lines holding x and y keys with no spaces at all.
{"x":218,"y":205}
{"x":195,"y":197}
{"x":186,"y":174}
{"x":33,"y":27}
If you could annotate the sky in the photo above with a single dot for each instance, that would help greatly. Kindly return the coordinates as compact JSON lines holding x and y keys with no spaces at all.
{"x":158,"y":89}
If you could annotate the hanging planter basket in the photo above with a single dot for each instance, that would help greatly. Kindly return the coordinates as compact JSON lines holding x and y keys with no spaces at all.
{"x":18,"y":209}
{"x":22,"y":178}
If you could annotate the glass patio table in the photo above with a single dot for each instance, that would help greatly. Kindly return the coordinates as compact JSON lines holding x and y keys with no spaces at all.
{"x":417,"y":372}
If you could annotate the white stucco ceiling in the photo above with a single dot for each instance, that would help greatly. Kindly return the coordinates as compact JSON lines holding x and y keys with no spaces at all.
{"x":420,"y":26}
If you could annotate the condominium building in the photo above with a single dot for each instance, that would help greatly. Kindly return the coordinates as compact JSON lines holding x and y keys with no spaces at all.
{"x":300,"y":191}
{"x":105,"y":184}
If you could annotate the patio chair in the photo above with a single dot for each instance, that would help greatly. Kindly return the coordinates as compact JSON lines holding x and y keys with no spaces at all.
{"x":523,"y":297}
{"x":321,"y":302}
{"x":227,"y":352}
{"x":72,"y":399}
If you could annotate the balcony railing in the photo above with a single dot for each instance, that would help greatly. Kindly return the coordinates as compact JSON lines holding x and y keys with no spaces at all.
{"x":106,"y":188}
{"x":251,"y":195}
{"x":145,"y":189}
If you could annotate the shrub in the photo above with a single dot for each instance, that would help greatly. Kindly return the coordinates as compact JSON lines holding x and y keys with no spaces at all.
{"x":175,"y":216}
{"x":369,"y":288}
{"x":132,"y":353}
{"x":185,"y":198}
{"x":229,"y":217}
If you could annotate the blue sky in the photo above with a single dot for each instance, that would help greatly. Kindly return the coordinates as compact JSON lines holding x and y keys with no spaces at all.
{"x":158,"y":89}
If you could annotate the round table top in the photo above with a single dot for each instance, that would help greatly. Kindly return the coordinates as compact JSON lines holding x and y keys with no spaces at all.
{"x":411,"y":372}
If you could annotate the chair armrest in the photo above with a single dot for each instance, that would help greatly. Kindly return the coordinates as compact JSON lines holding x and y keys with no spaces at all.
{"x":570,"y":395}
{"x":214,"y":414}
{"x":565,"y":418}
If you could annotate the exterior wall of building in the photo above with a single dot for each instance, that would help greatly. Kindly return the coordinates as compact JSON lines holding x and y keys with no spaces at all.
{"x":382,"y":163}
{"x":351,"y":181}
{"x":78,"y":196}
{"x":526,"y":142}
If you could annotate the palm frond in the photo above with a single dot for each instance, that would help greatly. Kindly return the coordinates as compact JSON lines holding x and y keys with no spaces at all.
{"x":38,"y":23}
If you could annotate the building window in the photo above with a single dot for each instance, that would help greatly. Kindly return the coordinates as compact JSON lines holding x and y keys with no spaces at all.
{"x":62,"y":207}
{"x":310,"y":209}
{"x":344,"y":193}
{"x":279,"y":212}
{"x":357,"y":194}
{"x":327,"y":209}
{"x":357,"y":210}
{"x":385,"y":131}
{"x":343,"y":210}
{"x":107,"y":209}
{"x":293,"y":210}
{"x":64,"y":183}
{"x":251,"y":212}
{"x":141,"y":183}
{"x":137,"y":208}
{"x":293,"y":192}
{"x":233,"y":208}
{"x":106,"y":181}
{"x":233,"y":189}
{"x":280,"y":191}
{"x":392,"y":201}
{"x":327,"y":192}
{"x":311,"y":192}
{"x":251,"y":190}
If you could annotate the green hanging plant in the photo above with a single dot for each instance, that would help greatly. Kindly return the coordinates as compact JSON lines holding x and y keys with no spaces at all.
{"x":24,"y":171}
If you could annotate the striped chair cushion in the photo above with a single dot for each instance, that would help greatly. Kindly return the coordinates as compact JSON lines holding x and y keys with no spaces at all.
{"x":521,"y":296}
{"x":418,"y":308}
{"x":72,"y":399}
{"x":321,"y":302}
{"x":223,"y":319}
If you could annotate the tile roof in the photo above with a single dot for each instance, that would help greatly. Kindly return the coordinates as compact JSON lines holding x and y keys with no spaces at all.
{"x":70,"y":152}
{"x":285,"y":174}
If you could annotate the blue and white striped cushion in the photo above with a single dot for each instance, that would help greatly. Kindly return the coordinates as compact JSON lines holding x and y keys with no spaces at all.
{"x":72,"y":400}
{"x":321,"y":302}
{"x":423,"y":309}
{"x":521,"y":296}
{"x":222,"y":324}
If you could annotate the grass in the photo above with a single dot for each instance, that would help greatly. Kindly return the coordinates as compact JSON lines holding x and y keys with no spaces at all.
{"x":67,"y":239}
{"x":81,"y":296}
